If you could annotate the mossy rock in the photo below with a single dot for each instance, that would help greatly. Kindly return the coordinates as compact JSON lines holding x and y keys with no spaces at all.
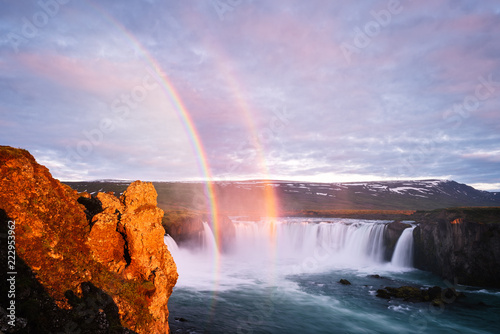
{"x":344,"y":282}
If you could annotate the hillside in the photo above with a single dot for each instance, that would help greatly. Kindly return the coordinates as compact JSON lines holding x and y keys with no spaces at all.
{"x":248,"y":197}
{"x":388,"y":195}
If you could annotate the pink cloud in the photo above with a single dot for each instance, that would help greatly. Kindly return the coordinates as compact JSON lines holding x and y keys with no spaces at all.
{"x":102,"y":77}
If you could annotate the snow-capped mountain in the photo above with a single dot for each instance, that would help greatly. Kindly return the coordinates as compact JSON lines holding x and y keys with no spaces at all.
{"x":411,"y":195}
{"x":251,"y":196}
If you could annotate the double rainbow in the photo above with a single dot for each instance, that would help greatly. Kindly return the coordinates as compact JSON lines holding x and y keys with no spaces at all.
{"x":194,"y":137}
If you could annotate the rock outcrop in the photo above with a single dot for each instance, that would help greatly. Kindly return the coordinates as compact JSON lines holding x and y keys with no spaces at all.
{"x":343,"y":281}
{"x":89,"y":269}
{"x":435,"y":295}
{"x":460,"y":245}
{"x":184,"y":226}
{"x":391,"y":237}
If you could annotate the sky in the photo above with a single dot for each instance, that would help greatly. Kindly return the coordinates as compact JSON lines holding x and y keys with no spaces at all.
{"x":324,"y":91}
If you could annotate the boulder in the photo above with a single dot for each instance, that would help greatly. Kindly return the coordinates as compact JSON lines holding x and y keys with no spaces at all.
{"x":435,"y":295}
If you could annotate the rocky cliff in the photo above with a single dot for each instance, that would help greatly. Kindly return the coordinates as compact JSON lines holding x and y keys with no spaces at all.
{"x":391,"y":236}
{"x":460,"y":245}
{"x":84,"y":264}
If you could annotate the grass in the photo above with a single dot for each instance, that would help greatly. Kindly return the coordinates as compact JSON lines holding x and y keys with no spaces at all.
{"x":483,"y":215}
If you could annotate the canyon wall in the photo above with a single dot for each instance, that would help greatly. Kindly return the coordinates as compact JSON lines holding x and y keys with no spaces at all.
{"x":85,"y":264}
{"x":460,"y":245}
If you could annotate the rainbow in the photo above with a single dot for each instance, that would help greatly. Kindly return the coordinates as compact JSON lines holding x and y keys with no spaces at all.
{"x":270,"y":198}
{"x":184,"y":116}
{"x":194,"y":138}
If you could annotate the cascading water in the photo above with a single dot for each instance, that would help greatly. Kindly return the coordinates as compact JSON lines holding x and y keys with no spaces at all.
{"x":171,"y":244}
{"x":344,"y":242}
{"x":283,"y":277}
{"x":281,"y":248}
{"x":208,"y":239}
{"x":403,"y":253}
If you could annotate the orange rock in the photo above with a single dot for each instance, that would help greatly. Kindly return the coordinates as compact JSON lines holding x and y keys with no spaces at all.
{"x":109,"y":202}
{"x":121,"y":251}
{"x":106,"y":244}
{"x":457,"y":221}
{"x":150,"y":258}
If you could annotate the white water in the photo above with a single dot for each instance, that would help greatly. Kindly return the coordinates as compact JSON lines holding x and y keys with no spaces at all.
{"x":171,"y":244}
{"x":282,"y":277}
{"x":342,"y":243}
{"x":208,"y":239}
{"x":269,"y":250}
{"x":403,"y":253}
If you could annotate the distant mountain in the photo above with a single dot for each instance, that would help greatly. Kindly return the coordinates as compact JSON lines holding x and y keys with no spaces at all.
{"x":388,"y":195}
{"x":249,"y":197}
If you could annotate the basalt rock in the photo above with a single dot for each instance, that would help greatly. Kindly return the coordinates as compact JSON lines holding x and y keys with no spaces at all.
{"x":391,"y":237}
{"x":88,"y":264}
{"x":376,"y":276}
{"x":460,"y":245}
{"x":186,"y":228}
{"x":225,"y":227}
{"x":435,"y":295}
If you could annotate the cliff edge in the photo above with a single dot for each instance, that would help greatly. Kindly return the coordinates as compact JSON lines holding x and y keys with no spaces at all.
{"x":83,"y":264}
{"x":461,"y":245}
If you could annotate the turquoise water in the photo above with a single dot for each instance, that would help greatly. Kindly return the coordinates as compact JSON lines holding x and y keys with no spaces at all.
{"x":258,"y":289}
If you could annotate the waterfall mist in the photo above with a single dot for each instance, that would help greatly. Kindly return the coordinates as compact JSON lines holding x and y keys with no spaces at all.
{"x":267,"y":250}
{"x":283,"y":276}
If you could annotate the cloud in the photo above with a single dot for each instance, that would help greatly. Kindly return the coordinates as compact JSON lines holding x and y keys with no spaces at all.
{"x":269,"y":90}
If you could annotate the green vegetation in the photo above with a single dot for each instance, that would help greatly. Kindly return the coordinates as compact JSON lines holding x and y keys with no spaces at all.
{"x":359,"y":214}
{"x":294,"y":198}
{"x":482,"y":215}
{"x":485,"y":215}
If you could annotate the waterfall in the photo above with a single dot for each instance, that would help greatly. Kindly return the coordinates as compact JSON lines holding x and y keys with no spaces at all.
{"x":208,"y":239}
{"x":171,"y":244}
{"x":342,"y":242}
{"x":366,"y":241}
{"x":268,"y":249}
{"x":403,"y":253}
